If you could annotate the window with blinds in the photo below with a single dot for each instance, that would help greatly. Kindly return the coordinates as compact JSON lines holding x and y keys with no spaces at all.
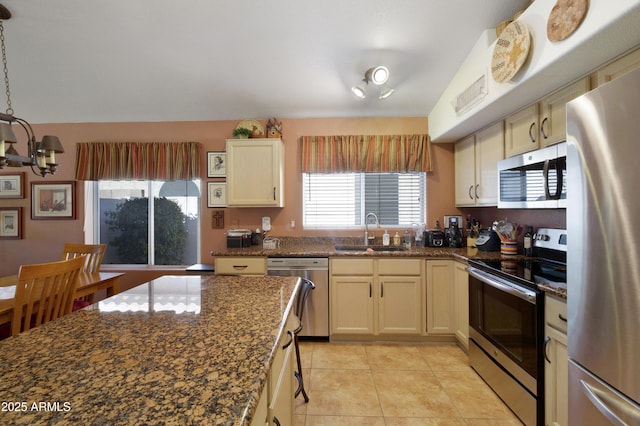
{"x":342,"y":200}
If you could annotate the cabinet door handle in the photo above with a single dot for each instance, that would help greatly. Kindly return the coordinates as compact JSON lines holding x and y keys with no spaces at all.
{"x":470,"y":189}
{"x":546,"y":120}
{"x":286,"y":345}
{"x":240,"y":267}
{"x":531,"y":137}
{"x":381,"y":289}
{"x":370,"y":290}
{"x":562,"y":318}
{"x":274,"y":193}
{"x":544,"y":348}
{"x":476,"y":190}
{"x":276,"y":421}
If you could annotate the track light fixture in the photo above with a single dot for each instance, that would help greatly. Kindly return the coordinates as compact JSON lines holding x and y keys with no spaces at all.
{"x":41,"y":156}
{"x":378,"y":76}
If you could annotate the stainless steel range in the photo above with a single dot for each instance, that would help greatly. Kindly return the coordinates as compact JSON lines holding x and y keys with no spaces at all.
{"x":506,"y":322}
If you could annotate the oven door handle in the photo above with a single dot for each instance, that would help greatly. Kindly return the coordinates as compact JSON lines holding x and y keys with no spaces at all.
{"x":502,"y":285}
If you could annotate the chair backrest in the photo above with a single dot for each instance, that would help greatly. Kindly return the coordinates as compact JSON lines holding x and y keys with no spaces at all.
{"x":303,"y":295}
{"x":94,"y":253}
{"x":44,"y":292}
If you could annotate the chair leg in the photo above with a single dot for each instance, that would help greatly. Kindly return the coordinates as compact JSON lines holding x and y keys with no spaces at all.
{"x":298,"y":373}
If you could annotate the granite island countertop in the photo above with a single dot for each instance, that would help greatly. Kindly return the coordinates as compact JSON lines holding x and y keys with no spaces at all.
{"x":177,"y":350}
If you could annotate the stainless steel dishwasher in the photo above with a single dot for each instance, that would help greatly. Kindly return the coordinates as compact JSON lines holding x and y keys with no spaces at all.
{"x":316,"y":315}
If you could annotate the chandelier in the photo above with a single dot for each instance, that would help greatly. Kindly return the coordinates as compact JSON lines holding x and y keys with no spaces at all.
{"x":41,"y":156}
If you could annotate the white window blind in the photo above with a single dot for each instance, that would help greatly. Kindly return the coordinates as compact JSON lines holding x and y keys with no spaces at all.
{"x":342,"y":200}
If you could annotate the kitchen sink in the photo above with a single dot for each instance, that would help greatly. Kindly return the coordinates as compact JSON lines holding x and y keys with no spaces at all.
{"x":365,"y":248}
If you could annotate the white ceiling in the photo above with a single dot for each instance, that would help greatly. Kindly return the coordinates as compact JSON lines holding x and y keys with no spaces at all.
{"x":161,"y":60}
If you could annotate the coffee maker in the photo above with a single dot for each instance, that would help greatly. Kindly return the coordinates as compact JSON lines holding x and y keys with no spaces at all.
{"x":453,"y":233}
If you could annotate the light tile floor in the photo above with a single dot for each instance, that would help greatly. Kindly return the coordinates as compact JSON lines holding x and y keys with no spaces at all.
{"x":394,"y":384}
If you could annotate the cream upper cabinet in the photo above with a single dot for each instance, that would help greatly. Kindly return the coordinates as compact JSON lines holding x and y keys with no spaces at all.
{"x":556,"y":367}
{"x":255,"y":173}
{"x":440,"y":297}
{"x":543,"y":123}
{"x":617,"y":68}
{"x":476,"y":167}
{"x":465,"y":169}
{"x":553,"y":112}
{"x":376,"y":296}
{"x":521,"y":131}
{"x":461,"y":292}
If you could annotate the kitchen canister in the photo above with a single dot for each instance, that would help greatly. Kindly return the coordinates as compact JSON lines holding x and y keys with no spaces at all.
{"x":509,"y":248}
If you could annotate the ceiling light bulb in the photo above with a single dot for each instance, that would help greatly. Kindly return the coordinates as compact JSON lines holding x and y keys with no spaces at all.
{"x":379,"y":75}
{"x":385,"y":92}
{"x":358,"y":91}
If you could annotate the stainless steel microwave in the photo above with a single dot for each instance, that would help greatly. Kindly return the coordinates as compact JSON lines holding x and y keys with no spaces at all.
{"x":534,"y":180}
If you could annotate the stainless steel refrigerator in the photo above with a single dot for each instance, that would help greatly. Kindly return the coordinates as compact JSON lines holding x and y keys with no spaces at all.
{"x":603,"y":254}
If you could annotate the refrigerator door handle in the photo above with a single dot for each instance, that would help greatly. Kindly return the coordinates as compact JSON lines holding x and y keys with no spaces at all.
{"x":599,"y":399}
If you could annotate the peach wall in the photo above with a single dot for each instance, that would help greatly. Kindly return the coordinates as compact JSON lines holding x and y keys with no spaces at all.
{"x":43,"y":239}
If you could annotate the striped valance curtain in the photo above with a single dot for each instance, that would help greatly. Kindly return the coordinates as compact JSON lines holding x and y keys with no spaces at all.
{"x":138,"y":160}
{"x":366,"y":153}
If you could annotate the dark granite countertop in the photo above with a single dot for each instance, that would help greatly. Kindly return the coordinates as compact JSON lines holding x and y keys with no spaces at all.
{"x":326,"y":247}
{"x":177,"y":350}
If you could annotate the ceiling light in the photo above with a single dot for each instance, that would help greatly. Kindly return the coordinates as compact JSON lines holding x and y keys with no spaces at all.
{"x":359,"y":91}
{"x":385,"y":92}
{"x":41,"y":156}
{"x":377,"y":75}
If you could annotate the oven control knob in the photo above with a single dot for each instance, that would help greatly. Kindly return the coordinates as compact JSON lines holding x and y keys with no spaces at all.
{"x":543,"y":237}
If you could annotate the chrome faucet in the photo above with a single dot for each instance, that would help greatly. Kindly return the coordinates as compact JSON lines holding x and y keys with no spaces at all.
{"x":366,"y":228}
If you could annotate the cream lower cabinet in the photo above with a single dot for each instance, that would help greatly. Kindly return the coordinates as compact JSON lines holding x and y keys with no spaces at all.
{"x":556,"y":367}
{"x":376,"y":296}
{"x":255,"y":173}
{"x":461,"y":297}
{"x":440,"y":297}
{"x":276,"y":405}
{"x":241,"y":265}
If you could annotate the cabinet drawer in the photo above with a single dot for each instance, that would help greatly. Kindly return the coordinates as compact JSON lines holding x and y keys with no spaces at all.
{"x":555,"y":314}
{"x":241,"y":265}
{"x":351,"y":266}
{"x":399,"y":266}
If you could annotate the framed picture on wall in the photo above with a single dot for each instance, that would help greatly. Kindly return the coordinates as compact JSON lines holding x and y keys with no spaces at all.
{"x":12,"y":185}
{"x":216,"y":194}
{"x":11,"y":223}
{"x":53,"y":200}
{"x":216,"y":164}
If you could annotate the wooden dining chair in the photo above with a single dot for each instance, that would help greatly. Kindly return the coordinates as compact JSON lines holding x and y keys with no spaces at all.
{"x":94,"y":254}
{"x":44,"y":292}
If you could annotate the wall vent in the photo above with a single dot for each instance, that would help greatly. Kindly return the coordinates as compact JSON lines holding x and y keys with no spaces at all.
{"x":471,"y":96}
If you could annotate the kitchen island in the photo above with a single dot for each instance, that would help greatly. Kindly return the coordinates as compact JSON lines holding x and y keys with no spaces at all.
{"x":176,"y":350}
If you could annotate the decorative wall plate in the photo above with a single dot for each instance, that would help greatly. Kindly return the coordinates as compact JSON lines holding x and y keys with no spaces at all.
{"x":511,"y":51}
{"x":565,"y":17}
{"x":257,"y":130}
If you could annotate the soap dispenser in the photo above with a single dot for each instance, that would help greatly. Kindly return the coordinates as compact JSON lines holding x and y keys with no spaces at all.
{"x":396,"y":239}
{"x":385,"y":238}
